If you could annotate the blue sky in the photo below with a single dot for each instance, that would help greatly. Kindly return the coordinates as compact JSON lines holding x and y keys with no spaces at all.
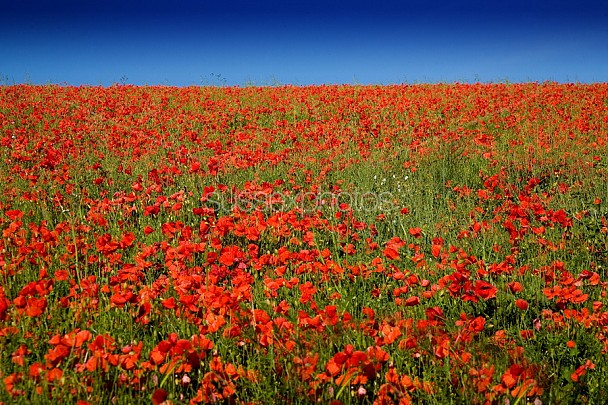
{"x":239,"y":42}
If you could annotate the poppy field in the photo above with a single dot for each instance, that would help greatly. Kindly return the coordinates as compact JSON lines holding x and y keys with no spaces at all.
{"x":443,"y":243}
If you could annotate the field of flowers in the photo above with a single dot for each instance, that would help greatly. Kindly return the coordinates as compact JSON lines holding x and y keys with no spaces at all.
{"x":441,"y":243}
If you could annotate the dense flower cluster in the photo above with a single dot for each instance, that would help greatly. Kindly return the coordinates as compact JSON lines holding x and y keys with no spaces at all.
{"x":334,"y":244}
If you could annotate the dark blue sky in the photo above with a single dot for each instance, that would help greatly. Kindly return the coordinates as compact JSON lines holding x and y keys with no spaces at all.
{"x":236,"y":42}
